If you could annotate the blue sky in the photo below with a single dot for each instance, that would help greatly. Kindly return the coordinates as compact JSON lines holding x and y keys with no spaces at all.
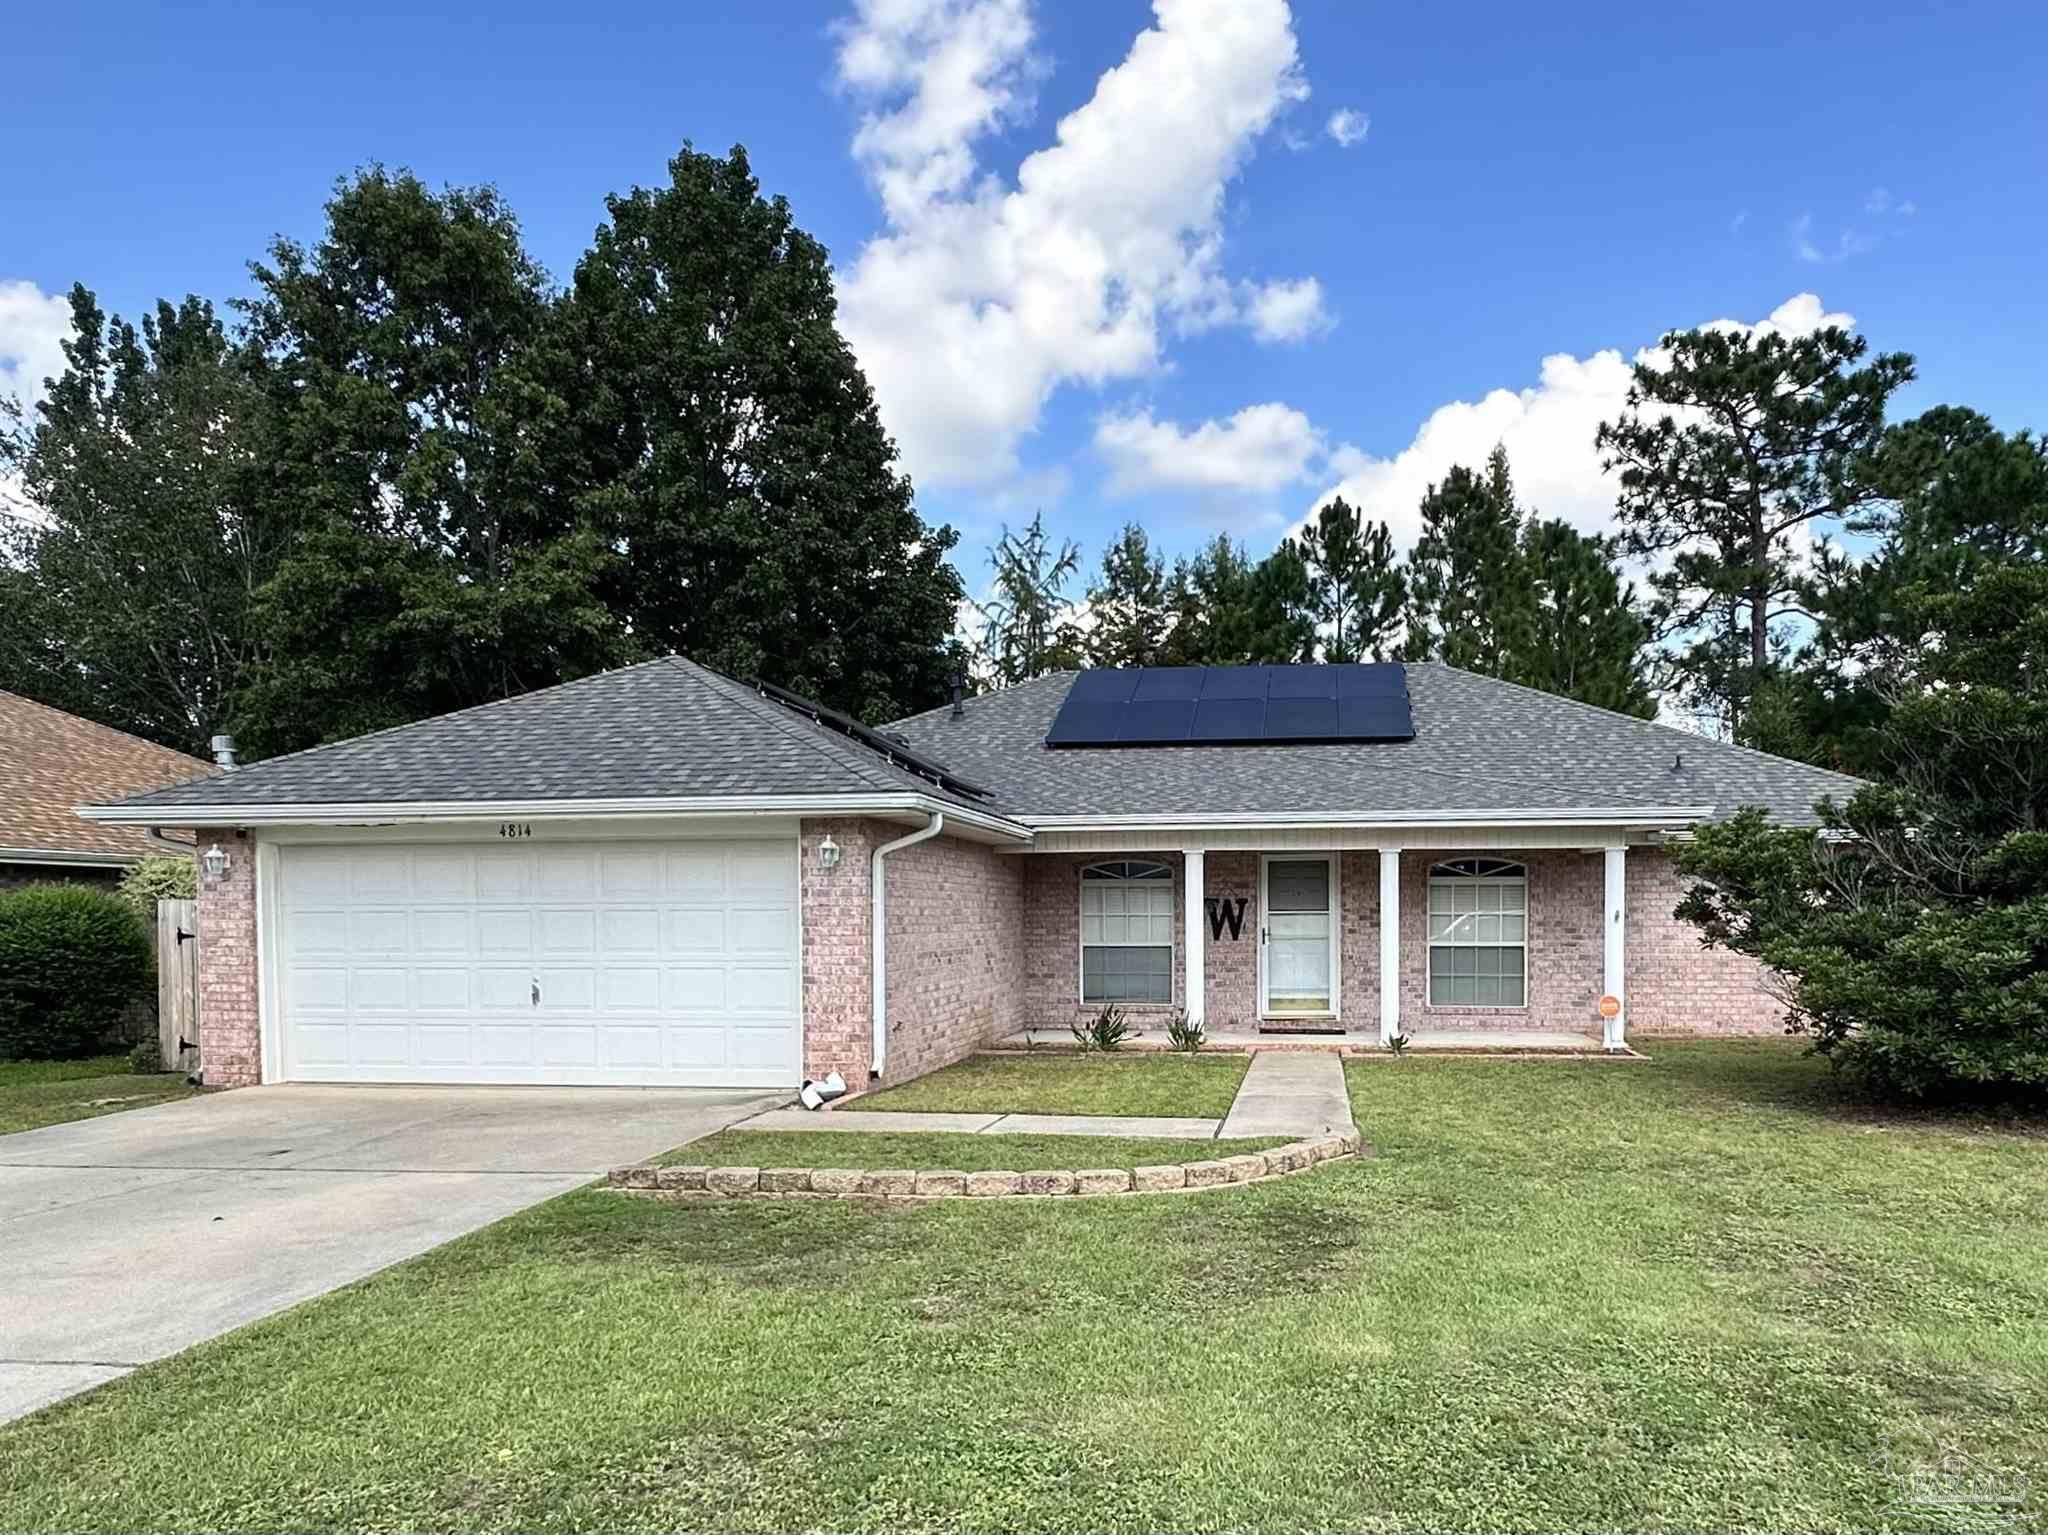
{"x":1169,"y":292}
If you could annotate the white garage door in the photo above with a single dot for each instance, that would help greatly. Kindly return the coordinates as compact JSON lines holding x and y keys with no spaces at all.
{"x":623,"y":963}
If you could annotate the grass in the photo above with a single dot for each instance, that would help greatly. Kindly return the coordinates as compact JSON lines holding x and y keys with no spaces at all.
{"x":1698,"y":1293}
{"x":38,"y":1093}
{"x":1150,"y":1085}
{"x":963,"y":1153}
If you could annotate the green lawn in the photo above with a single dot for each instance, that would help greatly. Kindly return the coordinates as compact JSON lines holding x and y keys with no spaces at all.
{"x":36,"y":1093}
{"x":963,"y":1153}
{"x":1697,"y":1293}
{"x":1155,"y":1084}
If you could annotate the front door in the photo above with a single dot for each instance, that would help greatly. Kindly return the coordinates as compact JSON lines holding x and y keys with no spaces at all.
{"x":1298,"y":951}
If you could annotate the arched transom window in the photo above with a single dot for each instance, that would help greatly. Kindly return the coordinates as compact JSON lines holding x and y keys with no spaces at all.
{"x":1127,"y":932}
{"x":1478,"y":934}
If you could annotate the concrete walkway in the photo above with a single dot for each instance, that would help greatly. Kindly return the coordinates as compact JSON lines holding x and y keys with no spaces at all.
{"x":1283,"y":1093}
{"x":1131,"y":1126}
{"x":134,"y":1236}
{"x":1290,"y":1093}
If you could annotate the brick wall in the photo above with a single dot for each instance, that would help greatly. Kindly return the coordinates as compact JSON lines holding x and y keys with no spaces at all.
{"x":956,"y":965}
{"x":230,"y":1025}
{"x":1676,"y":986}
{"x":1231,"y":965}
{"x":1052,"y":941}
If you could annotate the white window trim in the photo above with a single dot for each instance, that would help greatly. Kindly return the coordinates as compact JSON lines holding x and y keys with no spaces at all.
{"x":1334,"y":863}
{"x":1081,"y":944}
{"x":1431,"y":945}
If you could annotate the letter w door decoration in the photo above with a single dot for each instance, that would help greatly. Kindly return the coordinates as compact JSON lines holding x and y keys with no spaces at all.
{"x":1225,"y":912}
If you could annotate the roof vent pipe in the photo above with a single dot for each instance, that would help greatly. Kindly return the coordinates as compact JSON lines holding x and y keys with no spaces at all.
{"x":878,"y":917}
{"x":224,"y":752}
{"x":959,"y":692}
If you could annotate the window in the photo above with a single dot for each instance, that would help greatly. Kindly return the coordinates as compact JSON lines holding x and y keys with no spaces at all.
{"x":1478,"y":934}
{"x":1127,"y":932}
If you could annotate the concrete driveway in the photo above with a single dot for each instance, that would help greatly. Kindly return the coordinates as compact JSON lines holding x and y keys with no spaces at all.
{"x":132,"y":1236}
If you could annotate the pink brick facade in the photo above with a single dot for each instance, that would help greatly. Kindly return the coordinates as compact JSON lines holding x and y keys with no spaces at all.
{"x":955,"y":964}
{"x":1675,"y":985}
{"x":230,"y":1013}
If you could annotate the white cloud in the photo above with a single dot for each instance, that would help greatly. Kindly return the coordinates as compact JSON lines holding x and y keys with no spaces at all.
{"x":1260,"y":449}
{"x":1348,"y":126}
{"x":1850,"y":242}
{"x":983,"y":296}
{"x":1547,"y":428}
{"x":1288,"y":311}
{"x":34,"y":326}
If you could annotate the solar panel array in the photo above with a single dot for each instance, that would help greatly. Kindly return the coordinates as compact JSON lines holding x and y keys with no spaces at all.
{"x":1234,"y":706}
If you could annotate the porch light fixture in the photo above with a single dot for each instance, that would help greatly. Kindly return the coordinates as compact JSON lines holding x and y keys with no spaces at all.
{"x":214,"y":861}
{"x":828,"y":853}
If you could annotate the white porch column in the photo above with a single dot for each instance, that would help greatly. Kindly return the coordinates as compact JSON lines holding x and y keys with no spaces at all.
{"x":1195,"y":915}
{"x":1390,"y":943}
{"x":1614,"y":938}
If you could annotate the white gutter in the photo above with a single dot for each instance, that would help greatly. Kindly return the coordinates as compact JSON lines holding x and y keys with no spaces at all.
{"x":1578,"y":815}
{"x":56,"y":858}
{"x":155,"y":837}
{"x":878,"y":918}
{"x":404,"y":812}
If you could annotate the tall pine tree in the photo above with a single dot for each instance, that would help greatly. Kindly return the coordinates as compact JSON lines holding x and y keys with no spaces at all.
{"x":1355,"y":585}
{"x":1027,"y":629}
{"x":1128,"y":605}
{"x":1468,"y":600}
{"x":1579,"y":635}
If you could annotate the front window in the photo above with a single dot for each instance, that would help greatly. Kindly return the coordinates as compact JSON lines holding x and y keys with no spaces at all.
{"x":1127,"y":932}
{"x":1478,"y":934}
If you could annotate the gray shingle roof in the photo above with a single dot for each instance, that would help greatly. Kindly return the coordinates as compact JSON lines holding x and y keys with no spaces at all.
{"x":1480,"y":745}
{"x":663,"y":729}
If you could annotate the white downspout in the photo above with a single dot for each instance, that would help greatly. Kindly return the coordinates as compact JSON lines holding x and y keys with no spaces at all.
{"x":878,"y":914}
{"x":154,"y":836}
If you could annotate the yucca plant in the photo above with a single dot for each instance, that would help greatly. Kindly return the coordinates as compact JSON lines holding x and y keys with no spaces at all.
{"x":1185,"y":1033}
{"x":1107,"y":1030}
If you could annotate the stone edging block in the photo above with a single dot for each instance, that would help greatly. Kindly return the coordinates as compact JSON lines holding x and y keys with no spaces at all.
{"x":949,"y":1183}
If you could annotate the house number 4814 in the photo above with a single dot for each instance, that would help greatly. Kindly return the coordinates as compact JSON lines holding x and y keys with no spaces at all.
{"x":515,"y":828}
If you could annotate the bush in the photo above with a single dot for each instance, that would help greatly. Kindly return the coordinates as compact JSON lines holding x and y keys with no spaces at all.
{"x":72,"y":958}
{"x":1107,"y":1030}
{"x":159,"y":877}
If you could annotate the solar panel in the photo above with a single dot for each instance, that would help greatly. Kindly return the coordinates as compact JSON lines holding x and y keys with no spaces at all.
{"x":893,"y":747}
{"x":1235,"y":705}
{"x":1229,"y":719}
{"x":1156,"y":722}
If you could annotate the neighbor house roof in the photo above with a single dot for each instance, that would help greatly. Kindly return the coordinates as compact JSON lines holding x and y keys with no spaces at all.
{"x":1482,"y":747}
{"x":661,"y":731}
{"x":52,"y":762}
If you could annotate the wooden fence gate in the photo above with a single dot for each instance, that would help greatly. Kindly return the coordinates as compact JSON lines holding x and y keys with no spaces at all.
{"x":177,"y":984}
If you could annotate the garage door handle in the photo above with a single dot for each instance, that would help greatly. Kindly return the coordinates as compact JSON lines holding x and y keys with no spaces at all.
{"x":536,"y":991}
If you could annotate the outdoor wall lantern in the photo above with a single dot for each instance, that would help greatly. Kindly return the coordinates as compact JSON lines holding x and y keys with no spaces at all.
{"x":828,"y":853}
{"x":214,"y":861}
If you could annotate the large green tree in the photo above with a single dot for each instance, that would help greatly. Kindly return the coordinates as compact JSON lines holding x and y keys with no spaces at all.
{"x":1912,"y":931}
{"x":1580,"y":635}
{"x":129,"y":577}
{"x":1228,"y":611}
{"x":1128,"y":604}
{"x":1731,"y":445}
{"x":732,"y":452}
{"x":1469,"y":604}
{"x":1355,"y":584}
{"x":419,"y":392}
{"x":1027,"y":629}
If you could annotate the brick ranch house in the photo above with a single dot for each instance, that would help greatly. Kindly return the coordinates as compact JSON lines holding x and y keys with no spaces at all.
{"x":662,"y":876}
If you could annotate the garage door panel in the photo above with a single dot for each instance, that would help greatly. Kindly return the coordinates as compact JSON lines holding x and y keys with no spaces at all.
{"x":656,"y":963}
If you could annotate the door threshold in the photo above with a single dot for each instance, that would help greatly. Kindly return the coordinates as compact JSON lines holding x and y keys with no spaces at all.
{"x":1325,"y":1025}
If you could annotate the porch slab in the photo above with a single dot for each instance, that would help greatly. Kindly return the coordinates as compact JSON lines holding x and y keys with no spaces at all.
{"x":1295,"y":1093}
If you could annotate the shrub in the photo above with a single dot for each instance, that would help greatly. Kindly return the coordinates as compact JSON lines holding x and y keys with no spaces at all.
{"x":72,"y":958}
{"x":146,"y":1058}
{"x":1107,"y":1030}
{"x":1185,"y":1033}
{"x":159,"y":877}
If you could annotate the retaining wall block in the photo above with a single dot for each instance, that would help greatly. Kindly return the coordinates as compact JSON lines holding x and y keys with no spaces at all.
{"x":733,"y":1180}
{"x":1047,"y":1181}
{"x":1103,"y":1180}
{"x":785,"y":1180}
{"x":991,"y":1184}
{"x":1148,"y":1180}
{"x":1206,"y":1175}
{"x":680,"y":1179}
{"x":889,"y":1180}
{"x":1245,"y":1168}
{"x":941,"y":1180}
{"x":836,"y":1180}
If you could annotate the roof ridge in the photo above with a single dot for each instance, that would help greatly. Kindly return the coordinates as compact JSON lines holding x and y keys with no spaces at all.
{"x":1633,"y":719}
{"x":112,"y":730}
{"x":779,"y":717}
